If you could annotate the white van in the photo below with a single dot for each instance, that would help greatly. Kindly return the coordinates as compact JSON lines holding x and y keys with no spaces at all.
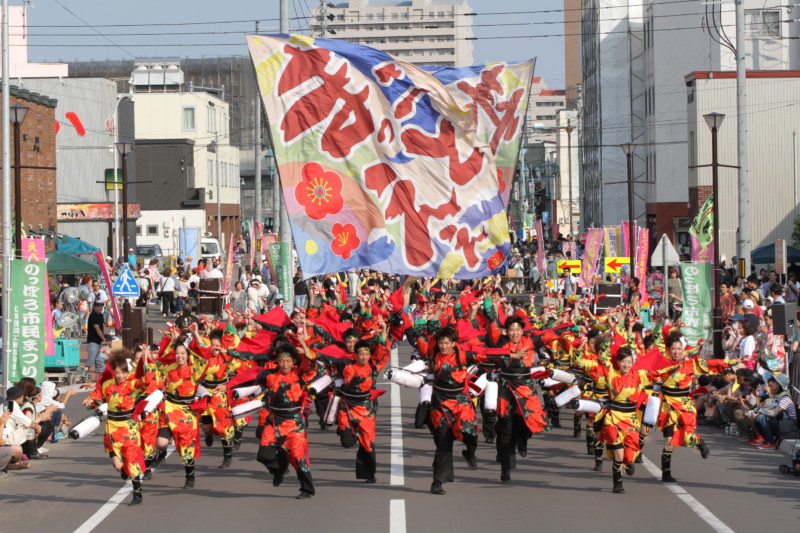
{"x":210,"y":249}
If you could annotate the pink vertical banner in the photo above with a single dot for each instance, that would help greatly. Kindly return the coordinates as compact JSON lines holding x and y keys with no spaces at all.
{"x":541,"y":263}
{"x":229,"y":267}
{"x":253,"y":240}
{"x":33,"y":250}
{"x":642,"y":254}
{"x":101,"y":262}
{"x":626,"y":233}
{"x":702,"y":255}
{"x":591,"y":255}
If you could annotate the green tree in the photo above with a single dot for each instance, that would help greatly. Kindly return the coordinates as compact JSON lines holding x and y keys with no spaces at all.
{"x":796,"y":232}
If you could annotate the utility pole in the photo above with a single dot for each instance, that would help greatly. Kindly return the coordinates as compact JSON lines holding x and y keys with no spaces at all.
{"x":323,"y":17}
{"x":284,"y":14}
{"x":6,"y":200}
{"x":743,"y":236}
{"x":216,"y":171}
{"x":258,"y":149}
{"x":569,"y":129}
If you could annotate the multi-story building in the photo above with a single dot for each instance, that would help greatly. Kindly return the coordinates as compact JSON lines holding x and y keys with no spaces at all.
{"x":233,"y":79}
{"x":634,"y":61}
{"x":540,"y":122}
{"x":84,"y":135}
{"x":773,"y":127}
{"x":18,"y":64}
{"x":37,"y":149}
{"x":567,"y":181}
{"x":424,"y":32}
{"x":183,"y":148}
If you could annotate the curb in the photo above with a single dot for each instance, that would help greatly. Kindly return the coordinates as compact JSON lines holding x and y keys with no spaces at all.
{"x":788,"y":447}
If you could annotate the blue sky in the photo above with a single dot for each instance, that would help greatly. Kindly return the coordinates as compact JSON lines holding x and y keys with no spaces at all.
{"x":82,"y":20}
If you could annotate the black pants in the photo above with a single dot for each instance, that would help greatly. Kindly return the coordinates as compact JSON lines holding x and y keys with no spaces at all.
{"x":366,"y":463}
{"x":443,"y":458}
{"x":511,"y":432}
{"x":276,"y":462}
{"x":168,"y":303}
{"x":30,"y":447}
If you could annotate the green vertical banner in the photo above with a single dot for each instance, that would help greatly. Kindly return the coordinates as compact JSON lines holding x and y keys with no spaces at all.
{"x":697,"y":309}
{"x":280,"y":257}
{"x":26,"y":346}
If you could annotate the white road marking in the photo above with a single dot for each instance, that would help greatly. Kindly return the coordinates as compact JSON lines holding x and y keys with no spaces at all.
{"x":111,"y":504}
{"x":396,"y":472}
{"x":698,"y":508}
{"x":397,"y":516}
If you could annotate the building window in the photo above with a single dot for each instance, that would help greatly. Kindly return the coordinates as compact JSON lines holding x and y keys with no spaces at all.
{"x":210,"y":173}
{"x":138,"y":230}
{"x":762,"y":23}
{"x":152,"y":230}
{"x":187,"y":118}
{"x":212,"y":119}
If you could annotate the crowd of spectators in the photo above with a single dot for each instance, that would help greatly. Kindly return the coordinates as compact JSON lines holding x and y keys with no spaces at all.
{"x":31,"y":418}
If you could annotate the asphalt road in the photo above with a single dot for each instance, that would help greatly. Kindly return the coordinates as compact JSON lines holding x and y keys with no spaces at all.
{"x":553,"y":489}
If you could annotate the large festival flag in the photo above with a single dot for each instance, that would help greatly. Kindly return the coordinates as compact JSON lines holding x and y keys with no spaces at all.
{"x":387,"y":165}
{"x":642,"y":255}
{"x":591,"y":255}
{"x":703,"y":226}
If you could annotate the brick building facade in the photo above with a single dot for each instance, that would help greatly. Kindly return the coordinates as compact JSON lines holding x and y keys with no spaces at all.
{"x":37,"y":148}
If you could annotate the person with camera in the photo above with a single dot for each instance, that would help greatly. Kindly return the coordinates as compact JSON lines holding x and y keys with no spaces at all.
{"x":777,"y":416}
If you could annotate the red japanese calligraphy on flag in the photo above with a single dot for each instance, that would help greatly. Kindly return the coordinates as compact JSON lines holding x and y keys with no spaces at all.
{"x":389,"y":166}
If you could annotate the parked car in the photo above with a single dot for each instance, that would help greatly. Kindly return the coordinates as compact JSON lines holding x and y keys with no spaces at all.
{"x":146,"y":252}
{"x":210,"y":249}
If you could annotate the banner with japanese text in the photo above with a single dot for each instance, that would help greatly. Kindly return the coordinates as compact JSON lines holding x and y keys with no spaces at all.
{"x":115,"y":314}
{"x":226,"y":287}
{"x":642,"y":255}
{"x":541,"y":262}
{"x":612,"y":241}
{"x":26,"y":342}
{"x":279,"y":258}
{"x":591,"y":256}
{"x":33,"y":250}
{"x":696,"y":317}
{"x":387,"y":165}
{"x":702,"y":228}
{"x":253,"y":241}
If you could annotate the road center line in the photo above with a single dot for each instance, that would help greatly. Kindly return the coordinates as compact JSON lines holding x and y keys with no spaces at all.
{"x":698,"y":508}
{"x":111,"y":504}
{"x":396,"y":473}
{"x":397,"y":516}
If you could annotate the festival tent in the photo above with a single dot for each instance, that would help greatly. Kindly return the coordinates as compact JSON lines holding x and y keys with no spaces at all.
{"x":71,"y":245}
{"x":766,"y":254}
{"x":61,"y":263}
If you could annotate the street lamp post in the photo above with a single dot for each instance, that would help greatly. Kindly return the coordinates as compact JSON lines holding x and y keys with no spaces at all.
{"x":629,"y":148}
{"x":17,"y":114}
{"x":714,"y":121}
{"x":569,"y":129}
{"x":124,"y":148}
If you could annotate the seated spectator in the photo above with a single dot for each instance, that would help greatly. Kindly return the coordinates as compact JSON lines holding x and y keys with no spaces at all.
{"x":50,"y":396}
{"x":735,"y":399}
{"x":11,"y":453}
{"x":776,"y":417}
{"x":33,"y":447}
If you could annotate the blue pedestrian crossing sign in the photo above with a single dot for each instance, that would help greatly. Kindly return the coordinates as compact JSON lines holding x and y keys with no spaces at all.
{"x":126,"y":285}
